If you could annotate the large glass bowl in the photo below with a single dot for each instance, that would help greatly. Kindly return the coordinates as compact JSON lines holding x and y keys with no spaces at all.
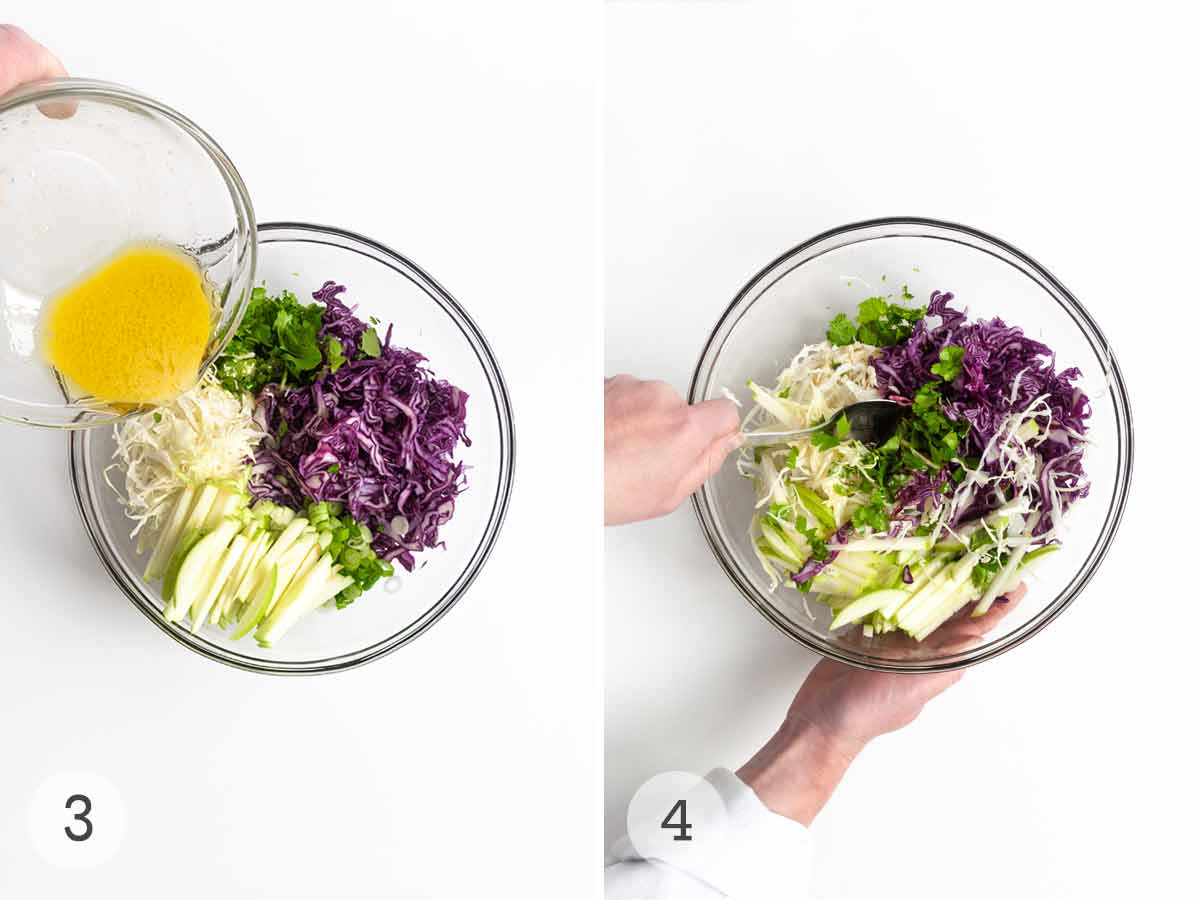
{"x":74,"y":189}
{"x":385,"y":285}
{"x":789,"y":304}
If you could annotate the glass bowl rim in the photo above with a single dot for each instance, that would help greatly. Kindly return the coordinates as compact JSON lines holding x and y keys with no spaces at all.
{"x":704,"y":508}
{"x":81,"y":483}
{"x":59,"y":88}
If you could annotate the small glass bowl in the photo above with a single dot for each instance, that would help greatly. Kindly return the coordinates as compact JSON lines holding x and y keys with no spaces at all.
{"x":789,"y":304}
{"x":380,"y":283}
{"x":121,"y":168}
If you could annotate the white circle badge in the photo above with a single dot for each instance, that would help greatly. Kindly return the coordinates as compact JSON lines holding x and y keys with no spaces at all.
{"x":76,"y":820}
{"x":674,"y":816}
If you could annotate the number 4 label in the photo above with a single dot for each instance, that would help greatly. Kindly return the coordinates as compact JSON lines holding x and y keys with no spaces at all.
{"x":684,"y":827}
{"x":675,"y":816}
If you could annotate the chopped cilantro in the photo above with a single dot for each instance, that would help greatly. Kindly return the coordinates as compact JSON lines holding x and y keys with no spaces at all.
{"x":987,"y":568}
{"x":820,"y":552}
{"x":841,"y":331}
{"x":333,"y":349}
{"x":842,"y":426}
{"x":949,"y":363}
{"x":874,"y":514}
{"x":369,"y":344}
{"x":823,"y":440}
{"x":880,"y":324}
{"x":276,"y":343}
{"x":334,"y":352}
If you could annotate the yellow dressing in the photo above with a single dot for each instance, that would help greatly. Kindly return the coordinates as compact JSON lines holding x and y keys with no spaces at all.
{"x":134,"y":331}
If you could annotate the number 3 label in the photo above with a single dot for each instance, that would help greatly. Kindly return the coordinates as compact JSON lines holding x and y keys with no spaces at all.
{"x":76,"y":820}
{"x":80,"y":816}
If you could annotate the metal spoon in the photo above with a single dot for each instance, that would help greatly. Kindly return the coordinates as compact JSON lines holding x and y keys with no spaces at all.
{"x":871,"y":421}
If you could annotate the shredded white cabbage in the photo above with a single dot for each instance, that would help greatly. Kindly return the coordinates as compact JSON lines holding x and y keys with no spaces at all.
{"x":819,"y":381}
{"x":1013,"y":448}
{"x":206,"y":434}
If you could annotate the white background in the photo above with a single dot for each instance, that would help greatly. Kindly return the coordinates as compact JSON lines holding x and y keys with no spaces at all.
{"x":734,"y":131}
{"x":464,"y":765}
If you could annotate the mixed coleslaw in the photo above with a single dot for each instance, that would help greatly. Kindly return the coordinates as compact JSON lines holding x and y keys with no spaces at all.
{"x":950,"y":511}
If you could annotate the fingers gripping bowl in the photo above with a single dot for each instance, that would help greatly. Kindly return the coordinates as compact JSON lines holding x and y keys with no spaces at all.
{"x":791,"y":303}
{"x":386,"y":288}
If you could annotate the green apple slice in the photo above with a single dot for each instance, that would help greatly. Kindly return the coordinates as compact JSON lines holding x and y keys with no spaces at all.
{"x":257,"y":605}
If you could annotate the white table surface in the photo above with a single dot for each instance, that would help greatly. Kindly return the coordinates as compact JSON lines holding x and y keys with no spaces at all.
{"x":465,"y":139}
{"x":1066,"y":768}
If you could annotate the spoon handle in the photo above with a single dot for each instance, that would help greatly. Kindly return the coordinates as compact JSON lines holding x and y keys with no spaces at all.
{"x":767,"y":438}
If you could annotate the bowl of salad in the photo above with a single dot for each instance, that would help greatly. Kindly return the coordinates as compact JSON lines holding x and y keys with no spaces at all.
{"x":991,"y":506}
{"x":333,"y":484}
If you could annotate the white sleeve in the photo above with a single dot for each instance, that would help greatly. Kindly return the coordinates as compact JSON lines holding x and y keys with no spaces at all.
{"x":762,"y":856}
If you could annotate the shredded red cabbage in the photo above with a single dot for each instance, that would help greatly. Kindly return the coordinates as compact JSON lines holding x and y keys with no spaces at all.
{"x":1003,"y":371}
{"x":378,"y":435}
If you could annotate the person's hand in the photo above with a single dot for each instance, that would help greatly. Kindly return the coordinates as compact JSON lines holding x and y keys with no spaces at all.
{"x":657,"y":449}
{"x":22,"y":60}
{"x":839,"y":709}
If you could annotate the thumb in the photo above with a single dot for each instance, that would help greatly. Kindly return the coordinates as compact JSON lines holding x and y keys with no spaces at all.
{"x":713,"y":457}
{"x":22,"y":60}
{"x":718,"y":418}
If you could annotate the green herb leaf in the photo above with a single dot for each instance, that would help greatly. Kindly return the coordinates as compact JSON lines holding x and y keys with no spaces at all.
{"x":949,"y":363}
{"x":841,"y":331}
{"x":872,"y":309}
{"x":980,"y":539}
{"x":880,"y":324}
{"x":842,"y":426}
{"x":873,"y":515}
{"x":370,"y":343}
{"x":275,"y":344}
{"x":823,"y":440}
{"x":333,"y":350}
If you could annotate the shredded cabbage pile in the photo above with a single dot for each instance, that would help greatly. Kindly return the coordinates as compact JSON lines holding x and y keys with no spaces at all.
{"x":378,"y":434}
{"x":206,"y":434}
{"x":1028,"y":422}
